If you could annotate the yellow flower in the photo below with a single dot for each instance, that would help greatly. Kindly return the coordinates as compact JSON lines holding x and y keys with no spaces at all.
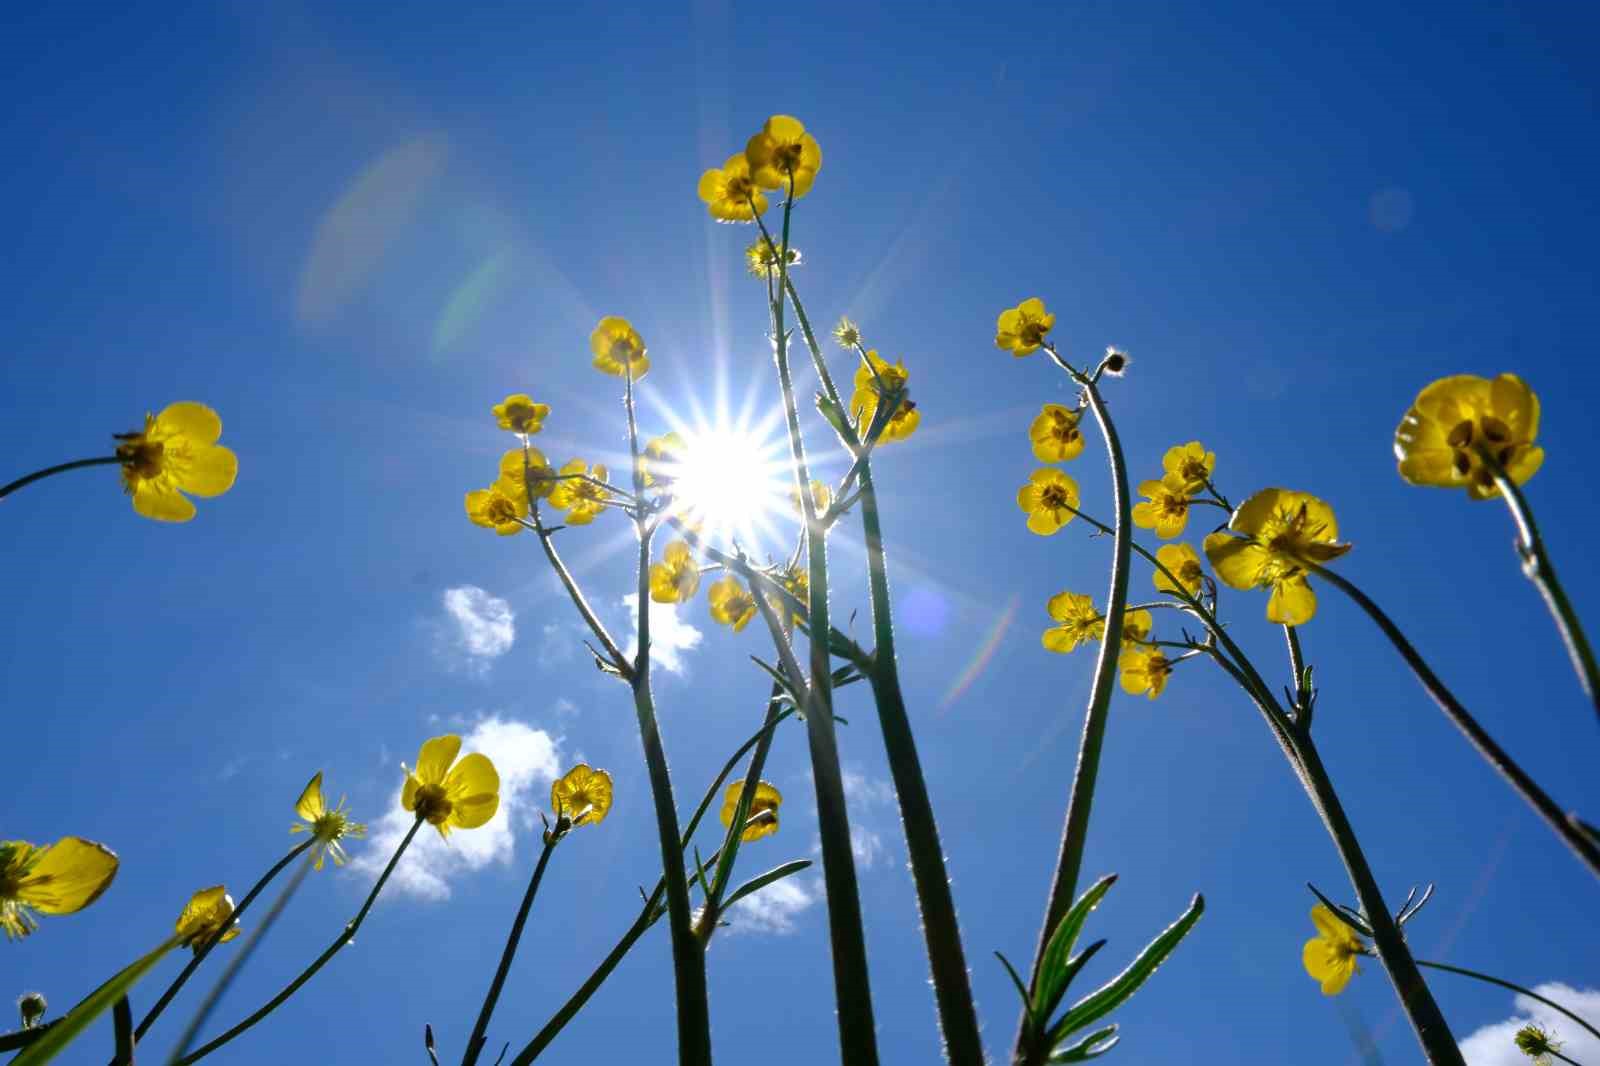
{"x":871,"y":389}
{"x":676,"y":577}
{"x":761,"y":258}
{"x":1279,"y":532}
{"x":1079,"y":622}
{"x":731,"y":603}
{"x":1050,"y":498}
{"x":1438,"y":440}
{"x":1184,"y":563}
{"x":1144,"y":670}
{"x":1330,"y":956}
{"x":582,"y":500}
{"x":1190,"y":465}
{"x":1136,"y":626}
{"x":796,"y":583}
{"x":783,"y":149}
{"x":463,"y":796}
{"x":847,"y":334}
{"x":821,"y":497}
{"x":662,"y":457}
{"x":1055,"y":434}
{"x":762,"y":820}
{"x":59,"y":878}
{"x":1167,"y":509}
{"x":177,"y":452}
{"x":500,"y":507}
{"x":207,"y":911}
{"x":1021,"y":329}
{"x":617,"y":346}
{"x":327,"y":828}
{"x":526,"y":468}
{"x":1538,"y":1043}
{"x":583,"y":796}
{"x":730,"y":192}
{"x":520,"y":414}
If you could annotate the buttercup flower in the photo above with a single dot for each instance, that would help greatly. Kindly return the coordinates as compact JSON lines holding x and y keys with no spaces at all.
{"x":617,"y":346}
{"x":1166,"y":510}
{"x":520,"y":414}
{"x":797,"y":583}
{"x":761,"y":258}
{"x":847,"y":334}
{"x":731,"y":603}
{"x":783,"y":149}
{"x":1330,"y":956}
{"x":1021,"y":329}
{"x":1055,"y":434}
{"x":528,"y":470}
{"x":583,"y":796}
{"x":662,"y":457}
{"x":327,"y":828}
{"x":1136,"y":626}
{"x":871,"y":389}
{"x":59,"y":878}
{"x":1046,"y":498}
{"x":676,"y":577}
{"x":1190,"y":465}
{"x":1079,"y":622}
{"x":1144,"y":670}
{"x":730,"y":194}
{"x":1184,"y":563}
{"x":1438,"y":440}
{"x":463,"y":796}
{"x":207,"y":911}
{"x":581,"y":500}
{"x":500,"y":507}
{"x":1279,"y":531}
{"x":1537,"y":1043}
{"x":765,"y":802}
{"x":175,"y":453}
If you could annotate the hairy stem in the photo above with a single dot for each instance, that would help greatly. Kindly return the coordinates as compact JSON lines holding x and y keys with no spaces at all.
{"x":480,"y":1029}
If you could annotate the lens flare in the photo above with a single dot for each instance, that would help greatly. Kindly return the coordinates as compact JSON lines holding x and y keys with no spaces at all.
{"x":731,"y":482}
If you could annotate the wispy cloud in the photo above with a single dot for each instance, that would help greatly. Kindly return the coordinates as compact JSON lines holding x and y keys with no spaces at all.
{"x":527,"y":761}
{"x":670,"y":635}
{"x":866,"y":797}
{"x":478,"y":628}
{"x":1492,"y":1046}
{"x":774,"y":908}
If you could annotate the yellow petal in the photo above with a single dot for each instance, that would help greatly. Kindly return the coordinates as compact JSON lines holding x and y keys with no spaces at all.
{"x":68,"y":877}
{"x":210,"y":471}
{"x":474,"y":775}
{"x":434,"y":760}
{"x":470,"y":812}
{"x":163,"y":505}
{"x":311,"y":805}
{"x":1237,"y":561}
{"x":1517,"y":405}
{"x":1292,"y":602}
{"x":408,"y":793}
{"x":199,"y":423}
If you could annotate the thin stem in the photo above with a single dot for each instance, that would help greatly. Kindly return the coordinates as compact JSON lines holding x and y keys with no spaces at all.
{"x":1530,"y":993}
{"x":122,"y":1031}
{"x":1541,"y":571}
{"x":215,"y":938}
{"x":688,"y":954}
{"x":1075,"y":829}
{"x":852,"y":989}
{"x":60,"y":468}
{"x":734,"y":836}
{"x":1586,"y":848}
{"x":480,"y":1029}
{"x":1297,"y":667}
{"x":618,"y":660}
{"x":344,"y":937}
{"x":1570,"y":1062}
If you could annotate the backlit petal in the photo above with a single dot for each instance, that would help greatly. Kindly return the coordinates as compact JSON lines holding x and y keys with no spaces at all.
{"x":68,"y":877}
{"x":211,"y":471}
{"x":311,"y":805}
{"x":434,"y":760}
{"x":199,"y":423}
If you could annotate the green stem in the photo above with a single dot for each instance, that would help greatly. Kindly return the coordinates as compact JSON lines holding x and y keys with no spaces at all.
{"x":1587,"y":849}
{"x":1075,"y":829}
{"x":734,"y":836}
{"x":1563,"y":1058}
{"x":122,"y":1031}
{"x":1302,"y":691}
{"x":216,"y":938}
{"x":347,"y":935}
{"x":61,"y":468}
{"x":480,"y":1029}
{"x":1541,"y":571}
{"x":618,"y":661}
{"x":1530,"y":993}
{"x":852,"y":989}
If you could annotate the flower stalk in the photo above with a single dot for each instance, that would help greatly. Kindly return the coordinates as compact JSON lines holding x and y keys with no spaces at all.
{"x":59,"y":468}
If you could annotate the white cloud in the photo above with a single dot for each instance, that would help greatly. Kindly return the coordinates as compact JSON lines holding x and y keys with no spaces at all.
{"x":527,"y":762}
{"x":865,"y":795}
{"x":774,"y":908}
{"x":481,"y":628}
{"x":670,"y":635}
{"x":1492,"y":1046}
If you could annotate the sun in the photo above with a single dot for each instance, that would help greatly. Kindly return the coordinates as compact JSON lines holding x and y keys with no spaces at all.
{"x":734,"y":482}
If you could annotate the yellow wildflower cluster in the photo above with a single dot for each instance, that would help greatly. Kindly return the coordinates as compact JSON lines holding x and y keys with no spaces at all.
{"x":782,"y":156}
{"x":1186,"y":473}
{"x":1271,"y":538}
{"x":1143,"y":665}
{"x":878,"y":381}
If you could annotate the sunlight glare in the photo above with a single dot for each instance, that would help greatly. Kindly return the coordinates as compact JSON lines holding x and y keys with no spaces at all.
{"x":734,"y":481}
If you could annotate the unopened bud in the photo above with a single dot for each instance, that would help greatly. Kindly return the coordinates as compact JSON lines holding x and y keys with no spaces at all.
{"x":32,"y":1006}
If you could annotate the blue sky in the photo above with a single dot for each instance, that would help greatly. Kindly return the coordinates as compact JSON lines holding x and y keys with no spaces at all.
{"x":351,"y":233}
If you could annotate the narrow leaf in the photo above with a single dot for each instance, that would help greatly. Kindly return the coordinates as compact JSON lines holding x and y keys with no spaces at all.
{"x":1341,"y":912}
{"x":1092,"y":1046}
{"x":99,"y":1001}
{"x":1051,"y":982}
{"x":756,"y":884}
{"x":1115,"y":992}
{"x":1022,"y":991}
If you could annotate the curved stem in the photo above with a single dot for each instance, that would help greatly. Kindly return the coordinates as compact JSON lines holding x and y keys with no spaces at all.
{"x":480,"y":1029}
{"x":618,"y":660}
{"x":60,"y":468}
{"x":309,"y":972}
{"x":1530,"y":993}
{"x":1537,"y":566}
{"x":1075,"y":829}
{"x":1586,"y":848}
{"x":216,"y":937}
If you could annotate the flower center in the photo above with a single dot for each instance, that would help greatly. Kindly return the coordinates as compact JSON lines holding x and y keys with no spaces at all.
{"x":1031,"y":333}
{"x":142,"y":458}
{"x":433,"y":804}
{"x":501,"y":510}
{"x":1053,"y":497}
{"x":788,"y":156}
{"x":1174,"y":506}
{"x":1194,"y":471}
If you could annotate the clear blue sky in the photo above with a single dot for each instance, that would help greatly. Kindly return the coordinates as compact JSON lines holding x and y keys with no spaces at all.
{"x":1293,"y":219}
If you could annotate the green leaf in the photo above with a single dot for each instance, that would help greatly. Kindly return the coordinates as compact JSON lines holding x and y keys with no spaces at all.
{"x":833,"y":413}
{"x":756,"y":884}
{"x":1114,"y":993}
{"x":75,"y":1021}
{"x":1092,"y":1046}
{"x":1341,"y":912}
{"x":1050,"y":984}
{"x":1022,"y":990}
